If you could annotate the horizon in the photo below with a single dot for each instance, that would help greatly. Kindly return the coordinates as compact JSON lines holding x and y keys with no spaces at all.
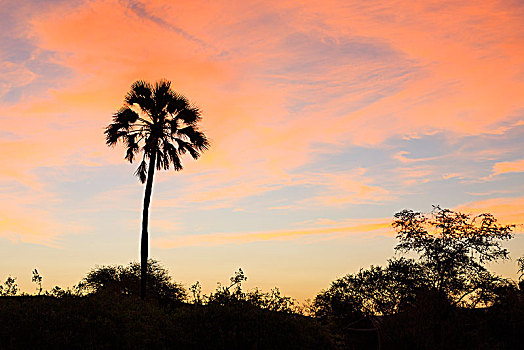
{"x":324,"y":120}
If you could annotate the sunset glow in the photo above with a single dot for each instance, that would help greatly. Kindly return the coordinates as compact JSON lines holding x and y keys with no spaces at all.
{"x":325,"y":119}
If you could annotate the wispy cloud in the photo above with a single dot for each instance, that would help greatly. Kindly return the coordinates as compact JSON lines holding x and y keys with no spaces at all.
{"x":13,"y":75}
{"x":331,"y":232}
{"x":296,"y":101}
{"x":507,"y":210}
{"x":401,"y":156}
{"x":508,"y":167}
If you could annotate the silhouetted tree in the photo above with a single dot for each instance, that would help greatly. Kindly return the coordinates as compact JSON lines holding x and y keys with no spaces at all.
{"x":520,"y":262}
{"x":272,"y":301}
{"x":419,"y":299}
{"x":58,"y":292}
{"x":374,"y":291}
{"x":453,"y":248}
{"x":234,"y":295}
{"x":350,"y":305}
{"x":196,"y":293}
{"x":37,"y":279}
{"x":161,"y":125}
{"x":9,"y":288}
{"x":124,"y":280}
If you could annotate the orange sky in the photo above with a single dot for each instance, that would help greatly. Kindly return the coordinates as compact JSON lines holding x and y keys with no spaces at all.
{"x":339,"y":112}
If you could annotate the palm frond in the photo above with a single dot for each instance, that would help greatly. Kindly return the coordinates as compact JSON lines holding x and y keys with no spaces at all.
{"x":189,"y":115}
{"x":114,"y":133}
{"x":130,"y":155}
{"x":167,"y":158}
{"x":141,"y":171}
{"x":172,"y":126}
{"x":130,"y":140}
{"x":196,"y":138}
{"x":141,"y":94}
{"x":177,"y":103}
{"x":160,"y":159}
{"x":161,"y":95}
{"x":173,"y":154}
{"x":132,"y":147}
{"x":184,"y":147}
{"x":125,"y":116}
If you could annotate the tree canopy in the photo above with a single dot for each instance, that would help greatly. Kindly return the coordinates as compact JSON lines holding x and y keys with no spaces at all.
{"x":158,"y":123}
{"x":453,"y":248}
{"x":125,"y":280}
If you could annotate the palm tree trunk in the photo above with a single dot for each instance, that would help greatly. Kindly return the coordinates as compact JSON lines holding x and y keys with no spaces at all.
{"x":145,"y":219}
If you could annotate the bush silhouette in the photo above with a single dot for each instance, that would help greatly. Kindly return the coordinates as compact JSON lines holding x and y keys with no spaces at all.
{"x":126,"y":280}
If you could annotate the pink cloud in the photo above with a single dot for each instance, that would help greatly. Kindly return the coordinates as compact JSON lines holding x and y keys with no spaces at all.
{"x":506,"y":210}
{"x":109,"y":45}
{"x":401,"y":156}
{"x":508,"y":167}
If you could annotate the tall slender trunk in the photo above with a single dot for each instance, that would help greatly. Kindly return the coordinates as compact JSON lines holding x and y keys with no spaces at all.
{"x":145,"y":219}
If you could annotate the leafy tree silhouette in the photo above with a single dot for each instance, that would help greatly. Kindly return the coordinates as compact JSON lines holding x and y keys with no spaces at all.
{"x":225,"y":296}
{"x":37,"y":278}
{"x":422,"y":294}
{"x":161,"y":125}
{"x":453,"y":248}
{"x":520,"y":262}
{"x":124,"y":280}
{"x":374,"y":291}
{"x":9,"y":288}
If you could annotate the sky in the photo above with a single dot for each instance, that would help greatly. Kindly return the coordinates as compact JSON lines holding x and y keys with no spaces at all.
{"x":325,"y":119}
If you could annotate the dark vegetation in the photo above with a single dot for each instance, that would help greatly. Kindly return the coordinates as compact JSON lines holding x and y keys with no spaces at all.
{"x":105,"y":311}
{"x":444,"y":298}
{"x":435,"y":294}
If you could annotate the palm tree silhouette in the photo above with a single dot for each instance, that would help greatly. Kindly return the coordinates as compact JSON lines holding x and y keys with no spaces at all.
{"x":161,"y":125}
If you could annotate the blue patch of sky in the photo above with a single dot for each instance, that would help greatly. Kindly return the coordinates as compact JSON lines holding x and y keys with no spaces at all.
{"x":347,"y":159}
{"x":447,"y":155}
{"x":48,"y":75}
{"x":17,"y":48}
{"x":511,"y":141}
{"x":383,"y":73}
{"x":325,"y":91}
{"x":423,"y":146}
{"x":254,"y":215}
{"x":452,"y":192}
{"x":76,"y":185}
{"x":287,"y":195}
{"x":463,"y":156}
{"x":258,"y":215}
{"x":311,"y":53}
{"x":194,"y":220}
{"x":9,"y":136}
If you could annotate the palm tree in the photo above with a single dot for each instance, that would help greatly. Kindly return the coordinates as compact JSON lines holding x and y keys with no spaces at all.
{"x":161,"y":125}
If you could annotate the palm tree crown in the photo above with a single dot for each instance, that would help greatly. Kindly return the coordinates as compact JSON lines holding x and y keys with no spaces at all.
{"x":160,"y":124}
